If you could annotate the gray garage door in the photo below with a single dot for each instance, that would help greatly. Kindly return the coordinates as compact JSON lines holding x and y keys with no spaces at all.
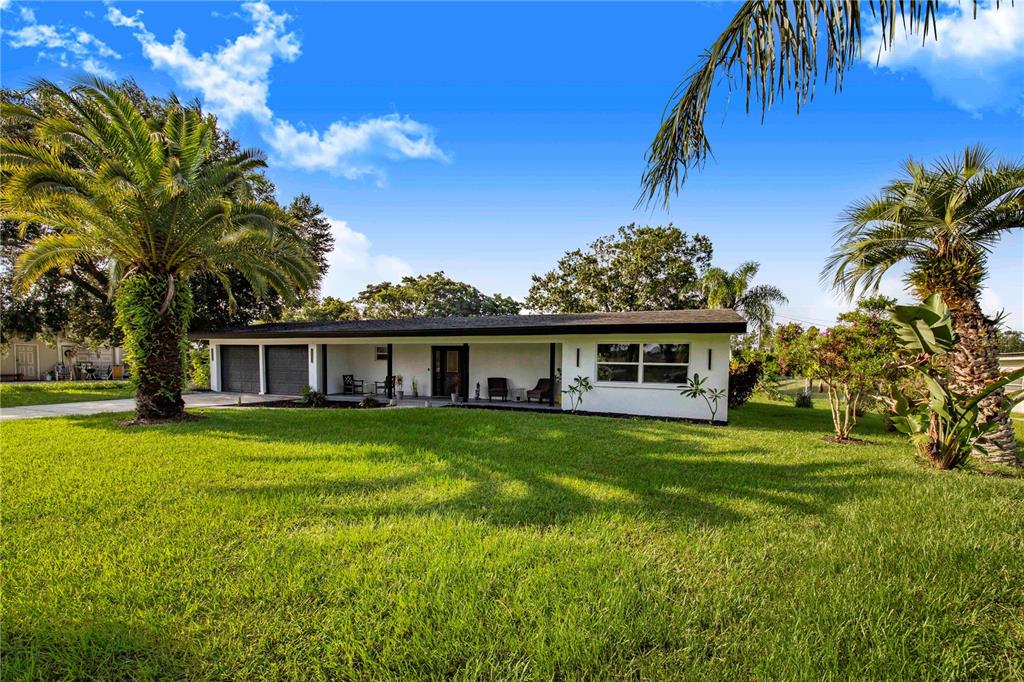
{"x":240,"y":369}
{"x":287,"y":369}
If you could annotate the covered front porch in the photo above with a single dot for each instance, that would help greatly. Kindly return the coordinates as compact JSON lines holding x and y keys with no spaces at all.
{"x":520,"y":373}
{"x":427,"y":401}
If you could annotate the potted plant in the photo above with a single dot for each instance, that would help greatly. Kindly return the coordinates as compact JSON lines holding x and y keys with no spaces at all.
{"x":398,"y":386}
{"x":456,"y":384}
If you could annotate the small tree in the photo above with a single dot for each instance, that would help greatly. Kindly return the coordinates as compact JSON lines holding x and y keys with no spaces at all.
{"x":853,"y":359}
{"x":697,"y":387}
{"x":577,"y":389}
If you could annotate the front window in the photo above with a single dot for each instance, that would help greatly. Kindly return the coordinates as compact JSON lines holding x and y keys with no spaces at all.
{"x":649,"y":363}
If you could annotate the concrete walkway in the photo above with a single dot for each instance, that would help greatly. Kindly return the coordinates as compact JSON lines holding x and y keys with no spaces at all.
{"x":128,"y":404}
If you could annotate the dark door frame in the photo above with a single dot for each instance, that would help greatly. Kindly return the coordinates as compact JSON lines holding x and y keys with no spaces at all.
{"x":463,"y":368}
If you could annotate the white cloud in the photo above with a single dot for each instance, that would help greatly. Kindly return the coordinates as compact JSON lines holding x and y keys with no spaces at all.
{"x":234,"y":81}
{"x":976,"y":63}
{"x":353,"y":264}
{"x":64,"y":45}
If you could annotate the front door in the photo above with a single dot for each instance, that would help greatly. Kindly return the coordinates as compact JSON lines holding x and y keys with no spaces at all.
{"x":26,"y":361}
{"x":447,"y":371}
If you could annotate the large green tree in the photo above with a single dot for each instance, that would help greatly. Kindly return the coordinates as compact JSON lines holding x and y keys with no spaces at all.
{"x":772,"y":49}
{"x":433,"y":295}
{"x":77,"y":302}
{"x":733,"y":290}
{"x":637,"y":268}
{"x":141,"y":193}
{"x":941,"y":221}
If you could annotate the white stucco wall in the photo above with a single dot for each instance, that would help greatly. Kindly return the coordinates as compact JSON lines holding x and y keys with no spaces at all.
{"x":522,"y":360}
{"x":658,"y":400}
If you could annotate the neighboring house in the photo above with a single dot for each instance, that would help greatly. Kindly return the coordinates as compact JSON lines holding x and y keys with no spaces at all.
{"x":1007,"y":363}
{"x":33,"y":359}
{"x":636,"y":360}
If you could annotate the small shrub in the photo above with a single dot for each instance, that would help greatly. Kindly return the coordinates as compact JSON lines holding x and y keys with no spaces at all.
{"x":199,"y":368}
{"x":743,"y":379}
{"x":369,"y":401}
{"x":312,"y":398}
{"x":803,"y":399}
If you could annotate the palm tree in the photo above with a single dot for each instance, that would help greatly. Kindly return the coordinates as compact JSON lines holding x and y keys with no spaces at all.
{"x":772,"y":48}
{"x":942,"y":221}
{"x":144,"y":197}
{"x":723,"y":289}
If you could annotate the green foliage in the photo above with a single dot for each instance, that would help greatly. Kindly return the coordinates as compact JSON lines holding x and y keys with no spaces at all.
{"x":744,"y":377}
{"x":312,"y":398}
{"x":723,"y":289}
{"x":199,"y":367}
{"x":697,"y":387}
{"x":772,"y":48}
{"x":327,"y":309}
{"x":803,"y":399}
{"x":945,"y":425}
{"x":20,"y":394}
{"x":145,"y":322}
{"x":433,"y":295}
{"x":579,"y":387}
{"x":1009,"y":340}
{"x":637,"y":268}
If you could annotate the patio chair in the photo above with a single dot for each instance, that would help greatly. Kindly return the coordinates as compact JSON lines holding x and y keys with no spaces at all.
{"x":350,"y":385}
{"x":62,"y":372}
{"x":383,"y":386}
{"x":542,"y":391}
{"x":497,"y":387}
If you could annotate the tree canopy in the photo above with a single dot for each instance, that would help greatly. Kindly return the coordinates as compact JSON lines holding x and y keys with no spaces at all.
{"x":637,"y":268}
{"x":433,"y":295}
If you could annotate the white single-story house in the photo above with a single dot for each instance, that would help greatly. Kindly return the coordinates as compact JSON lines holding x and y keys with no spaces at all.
{"x":635,"y":360}
{"x":34,"y":359}
{"x":1009,"y":362}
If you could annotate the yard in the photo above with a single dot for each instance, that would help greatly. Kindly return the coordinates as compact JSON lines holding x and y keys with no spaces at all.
{"x":19,"y":394}
{"x":416,"y":544}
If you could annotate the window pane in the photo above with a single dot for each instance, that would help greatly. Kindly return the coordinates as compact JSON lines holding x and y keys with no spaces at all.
{"x":667,"y":352}
{"x":664,"y":374}
{"x":618,"y":352}
{"x":617,"y":373}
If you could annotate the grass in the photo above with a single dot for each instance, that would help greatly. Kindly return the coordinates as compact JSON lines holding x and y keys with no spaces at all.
{"x":445,"y":543}
{"x":51,"y":392}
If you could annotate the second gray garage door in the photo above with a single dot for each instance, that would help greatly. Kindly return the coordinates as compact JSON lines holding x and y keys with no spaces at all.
{"x":240,"y":369}
{"x":287,"y":369}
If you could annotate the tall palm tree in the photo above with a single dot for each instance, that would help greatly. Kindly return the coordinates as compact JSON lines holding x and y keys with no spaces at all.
{"x":773,"y":48}
{"x":732,"y":290}
{"x":145,"y":198}
{"x":942,"y":221}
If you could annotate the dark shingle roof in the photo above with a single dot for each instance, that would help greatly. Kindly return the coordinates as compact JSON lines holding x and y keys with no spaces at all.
{"x":707,"y":321}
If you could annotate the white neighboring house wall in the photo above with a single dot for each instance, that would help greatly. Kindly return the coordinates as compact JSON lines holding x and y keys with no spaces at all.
{"x":1008,"y":362}
{"x":520,"y":359}
{"x":47,"y":355}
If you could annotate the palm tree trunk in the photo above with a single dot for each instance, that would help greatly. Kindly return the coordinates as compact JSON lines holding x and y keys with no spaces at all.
{"x":974,"y":363}
{"x":161,"y":372}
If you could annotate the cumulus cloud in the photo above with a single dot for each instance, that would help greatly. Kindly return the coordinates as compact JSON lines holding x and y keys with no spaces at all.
{"x":976,"y":63}
{"x":234,"y":81}
{"x":65,"y":45}
{"x":353,"y":263}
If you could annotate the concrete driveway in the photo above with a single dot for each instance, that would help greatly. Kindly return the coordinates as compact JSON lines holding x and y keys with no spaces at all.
{"x":128,"y":404}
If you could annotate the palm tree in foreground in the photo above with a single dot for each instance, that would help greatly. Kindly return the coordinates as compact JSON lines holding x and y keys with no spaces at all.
{"x":732,"y":290}
{"x":146,"y":198}
{"x":774,"y":48}
{"x":942,"y":221}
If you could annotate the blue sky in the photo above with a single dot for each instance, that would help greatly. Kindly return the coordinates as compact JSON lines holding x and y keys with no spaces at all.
{"x":487,"y":139}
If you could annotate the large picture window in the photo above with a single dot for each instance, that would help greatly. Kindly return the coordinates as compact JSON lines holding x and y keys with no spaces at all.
{"x":649,"y":363}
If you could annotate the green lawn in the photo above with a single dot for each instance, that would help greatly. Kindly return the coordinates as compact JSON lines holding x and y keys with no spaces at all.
{"x":47,"y":393}
{"x":432,"y":544}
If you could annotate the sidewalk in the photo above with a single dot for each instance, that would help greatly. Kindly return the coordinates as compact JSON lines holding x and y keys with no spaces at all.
{"x":127,"y":405}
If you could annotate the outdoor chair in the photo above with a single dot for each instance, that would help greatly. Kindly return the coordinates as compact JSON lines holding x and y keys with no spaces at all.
{"x":542,"y":391}
{"x":383,"y":386}
{"x":497,"y":387}
{"x":61,"y":372}
{"x":350,"y":385}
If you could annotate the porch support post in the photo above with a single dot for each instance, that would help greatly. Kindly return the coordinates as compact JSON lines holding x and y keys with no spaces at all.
{"x":389,"y":380}
{"x":551,"y":374}
{"x":263,"y":369}
{"x":465,"y":372}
